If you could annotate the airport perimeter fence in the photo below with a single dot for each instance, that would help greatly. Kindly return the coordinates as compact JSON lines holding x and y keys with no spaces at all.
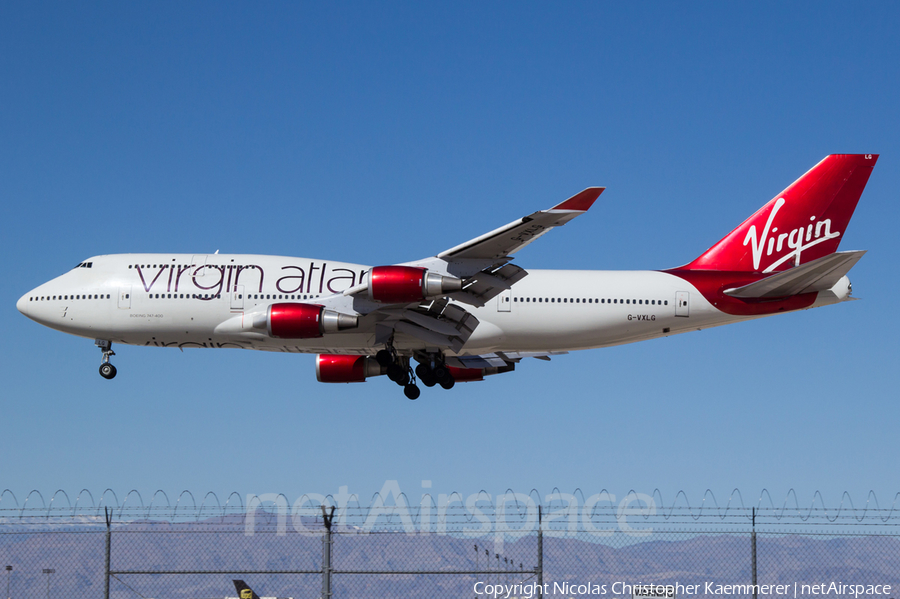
{"x":505,"y":546}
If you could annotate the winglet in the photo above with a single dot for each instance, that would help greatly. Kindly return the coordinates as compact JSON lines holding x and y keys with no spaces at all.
{"x":580,"y":202}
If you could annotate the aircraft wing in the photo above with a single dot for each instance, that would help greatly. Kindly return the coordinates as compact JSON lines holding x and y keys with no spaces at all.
{"x":482,"y":266}
{"x":483,"y":262}
{"x":501,"y":243}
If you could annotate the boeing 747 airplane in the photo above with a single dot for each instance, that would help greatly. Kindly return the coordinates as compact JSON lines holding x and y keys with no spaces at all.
{"x":467,"y":312}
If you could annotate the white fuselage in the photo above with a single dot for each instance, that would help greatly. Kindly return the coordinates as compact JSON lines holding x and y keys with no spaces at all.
{"x":170,"y":300}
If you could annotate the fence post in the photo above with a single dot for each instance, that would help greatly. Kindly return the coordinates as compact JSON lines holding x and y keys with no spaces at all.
{"x":326,"y":554}
{"x":108,"y":550}
{"x":540,"y":555}
{"x":753,"y":552}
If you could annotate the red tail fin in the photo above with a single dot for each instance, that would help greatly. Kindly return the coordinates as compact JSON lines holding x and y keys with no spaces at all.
{"x":802,"y":223}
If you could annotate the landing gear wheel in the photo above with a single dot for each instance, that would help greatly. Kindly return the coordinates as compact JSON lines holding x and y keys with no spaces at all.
{"x":384,"y":358}
{"x":411,"y":391}
{"x":448,"y":382}
{"x":425,"y":375}
{"x":396,"y":373}
{"x":440,"y":372}
{"x":107,"y":371}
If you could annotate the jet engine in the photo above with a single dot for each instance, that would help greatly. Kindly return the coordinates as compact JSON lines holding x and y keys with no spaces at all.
{"x":303,"y":321}
{"x":338,"y":368}
{"x":467,"y":375}
{"x":405,"y":284}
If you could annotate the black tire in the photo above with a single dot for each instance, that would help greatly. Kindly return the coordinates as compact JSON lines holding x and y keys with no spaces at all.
{"x":440,"y":373}
{"x":411,"y":391}
{"x":448,"y":383}
{"x":384,"y":358}
{"x":395,"y":372}
{"x":108,"y":371}
{"x":423,"y":371}
{"x":428,"y":381}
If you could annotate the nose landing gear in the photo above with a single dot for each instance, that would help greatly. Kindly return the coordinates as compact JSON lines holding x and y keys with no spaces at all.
{"x":107,"y":370}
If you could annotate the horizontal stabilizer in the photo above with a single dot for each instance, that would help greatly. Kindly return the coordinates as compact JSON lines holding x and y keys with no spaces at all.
{"x":819,"y":275}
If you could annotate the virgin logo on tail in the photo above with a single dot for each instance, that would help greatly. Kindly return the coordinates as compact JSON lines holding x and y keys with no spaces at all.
{"x":798,"y":239}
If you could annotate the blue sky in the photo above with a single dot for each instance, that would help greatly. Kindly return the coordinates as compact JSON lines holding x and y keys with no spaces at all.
{"x":380,"y":133}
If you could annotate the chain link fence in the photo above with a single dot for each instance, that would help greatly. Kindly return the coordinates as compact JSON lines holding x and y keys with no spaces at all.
{"x":472,"y":548}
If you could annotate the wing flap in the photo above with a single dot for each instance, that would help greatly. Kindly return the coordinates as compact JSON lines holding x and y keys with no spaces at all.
{"x":482,"y":361}
{"x":499,"y":359}
{"x":819,"y":275}
{"x":438,"y":323}
{"x":489,"y":283}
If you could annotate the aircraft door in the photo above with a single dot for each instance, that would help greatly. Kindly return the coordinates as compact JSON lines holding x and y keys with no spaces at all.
{"x":504,"y":301}
{"x":682,"y":303}
{"x":124,"y":298}
{"x":198,"y":273}
{"x":237,"y":297}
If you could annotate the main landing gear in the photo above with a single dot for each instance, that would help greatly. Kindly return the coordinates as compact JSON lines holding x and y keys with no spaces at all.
{"x":435,"y":372}
{"x":107,"y":370}
{"x":398,"y":370}
{"x":431,"y":371}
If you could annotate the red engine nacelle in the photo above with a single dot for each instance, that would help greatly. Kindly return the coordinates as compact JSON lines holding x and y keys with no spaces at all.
{"x":406,"y":284}
{"x":466,"y":375}
{"x":334,"y":368}
{"x":305,"y":321}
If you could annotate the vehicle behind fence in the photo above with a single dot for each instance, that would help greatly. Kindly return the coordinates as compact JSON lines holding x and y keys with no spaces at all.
{"x":503,"y":546}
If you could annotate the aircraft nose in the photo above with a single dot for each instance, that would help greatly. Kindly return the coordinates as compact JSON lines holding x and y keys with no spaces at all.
{"x":22,"y":304}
